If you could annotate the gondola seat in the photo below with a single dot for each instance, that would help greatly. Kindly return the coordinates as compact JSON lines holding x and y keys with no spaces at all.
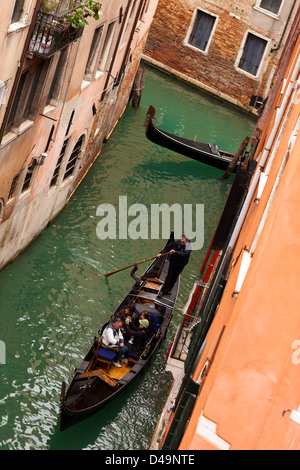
{"x":106,"y":355}
{"x":133,"y":358}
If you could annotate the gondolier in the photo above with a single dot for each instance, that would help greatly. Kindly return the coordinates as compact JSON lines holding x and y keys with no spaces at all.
{"x":180,"y":251}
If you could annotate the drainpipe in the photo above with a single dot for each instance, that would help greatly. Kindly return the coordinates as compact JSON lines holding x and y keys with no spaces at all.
{"x":20,"y":69}
{"x":285,"y":28}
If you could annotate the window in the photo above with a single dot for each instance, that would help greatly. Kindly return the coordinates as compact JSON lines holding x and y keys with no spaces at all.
{"x":106,"y":47}
{"x":144,"y":9}
{"x":14,"y":187}
{"x":202,"y":30}
{"x":73,"y":158}
{"x":31,"y":170}
{"x":27,"y":98}
{"x":18,"y":10}
{"x":252,"y":54}
{"x":94,"y":51}
{"x":1,"y":209}
{"x":58,"y":164}
{"x":273,"y":6}
{"x":58,"y":78}
{"x":3,"y":89}
{"x":129,"y":22}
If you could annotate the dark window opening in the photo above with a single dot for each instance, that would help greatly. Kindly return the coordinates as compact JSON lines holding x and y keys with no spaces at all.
{"x":73,"y":159}
{"x":29,"y":177}
{"x":202,"y":30}
{"x":18,"y":10}
{"x":58,"y":78}
{"x":95,"y":47}
{"x":26,"y":99}
{"x":58,"y":164}
{"x":272,"y":6}
{"x":106,"y":47}
{"x":14,"y":186}
{"x":252,"y":55}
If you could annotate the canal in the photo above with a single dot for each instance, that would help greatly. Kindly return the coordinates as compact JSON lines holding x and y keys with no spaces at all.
{"x":52,"y":300}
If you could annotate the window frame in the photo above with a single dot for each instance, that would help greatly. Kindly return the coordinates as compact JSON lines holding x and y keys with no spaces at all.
{"x":56,"y":175}
{"x":106,"y":49}
{"x":60,"y":67}
{"x":28,"y":179}
{"x":191,"y":27}
{"x":19,"y":17}
{"x":129,"y":23}
{"x":73,"y":159}
{"x":29,"y":92}
{"x":241,"y":51}
{"x":95,"y":52}
{"x":258,"y":7}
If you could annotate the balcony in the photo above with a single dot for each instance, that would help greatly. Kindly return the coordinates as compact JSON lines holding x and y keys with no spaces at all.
{"x":52,"y":32}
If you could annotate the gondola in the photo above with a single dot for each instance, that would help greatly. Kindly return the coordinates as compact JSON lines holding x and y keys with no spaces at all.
{"x":204,"y":153}
{"x":97,"y":381}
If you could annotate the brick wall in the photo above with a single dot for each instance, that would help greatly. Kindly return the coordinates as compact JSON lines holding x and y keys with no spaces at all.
{"x":215,"y":69}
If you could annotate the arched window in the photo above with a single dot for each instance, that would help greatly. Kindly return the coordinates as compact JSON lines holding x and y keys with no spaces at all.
{"x":73,"y":158}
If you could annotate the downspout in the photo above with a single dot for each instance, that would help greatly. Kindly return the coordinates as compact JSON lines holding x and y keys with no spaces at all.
{"x":285,"y":28}
{"x":20,"y":69}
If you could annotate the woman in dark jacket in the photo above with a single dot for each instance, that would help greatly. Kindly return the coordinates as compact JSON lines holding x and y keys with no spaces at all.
{"x":139,"y":337}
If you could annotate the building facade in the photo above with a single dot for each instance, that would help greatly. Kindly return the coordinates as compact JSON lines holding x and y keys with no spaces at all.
{"x":62,"y":91}
{"x":229,"y":48}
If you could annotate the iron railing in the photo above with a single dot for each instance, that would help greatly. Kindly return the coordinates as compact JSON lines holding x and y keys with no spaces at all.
{"x":52,"y":32}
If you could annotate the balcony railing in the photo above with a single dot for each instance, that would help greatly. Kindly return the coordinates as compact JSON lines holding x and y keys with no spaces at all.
{"x":52,"y":33}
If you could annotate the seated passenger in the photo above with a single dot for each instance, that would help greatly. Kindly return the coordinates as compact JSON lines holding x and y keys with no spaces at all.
{"x":139,"y":337}
{"x":128,"y":311}
{"x":153,"y":321}
{"x":112,"y":337}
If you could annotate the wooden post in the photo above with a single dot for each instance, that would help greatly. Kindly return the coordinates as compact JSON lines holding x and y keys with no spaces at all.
{"x":138,"y":87}
{"x":236,"y":157}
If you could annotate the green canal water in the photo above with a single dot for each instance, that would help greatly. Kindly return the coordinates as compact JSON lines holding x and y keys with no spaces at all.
{"x":53,"y":302}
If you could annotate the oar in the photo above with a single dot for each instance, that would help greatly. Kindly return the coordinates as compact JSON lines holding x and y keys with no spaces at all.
{"x":132,"y":265}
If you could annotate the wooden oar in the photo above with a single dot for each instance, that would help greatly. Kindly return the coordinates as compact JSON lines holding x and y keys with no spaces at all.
{"x":132,"y":265}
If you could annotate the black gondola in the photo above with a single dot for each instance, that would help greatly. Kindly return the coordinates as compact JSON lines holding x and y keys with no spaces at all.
{"x":204,"y":153}
{"x":95,"y":382}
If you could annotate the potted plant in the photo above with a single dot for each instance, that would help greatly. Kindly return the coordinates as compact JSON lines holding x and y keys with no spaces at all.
{"x":78,"y":17}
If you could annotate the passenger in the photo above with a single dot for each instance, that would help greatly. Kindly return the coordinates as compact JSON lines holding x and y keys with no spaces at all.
{"x":139,"y":335}
{"x":113,"y":338}
{"x":153,"y":321}
{"x":128,"y":312}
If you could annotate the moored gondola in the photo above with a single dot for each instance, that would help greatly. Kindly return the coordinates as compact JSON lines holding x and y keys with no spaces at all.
{"x":204,"y":153}
{"x":97,"y":381}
